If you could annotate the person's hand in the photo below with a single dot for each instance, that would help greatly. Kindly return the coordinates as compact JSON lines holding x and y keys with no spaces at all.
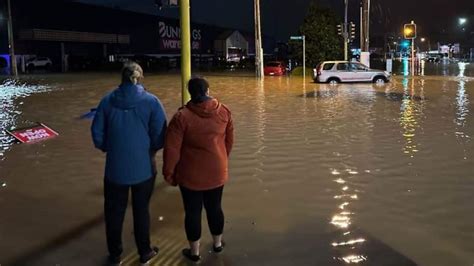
{"x":170,"y":180}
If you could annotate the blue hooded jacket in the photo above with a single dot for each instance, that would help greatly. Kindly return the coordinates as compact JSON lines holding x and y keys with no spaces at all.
{"x":129,"y":127}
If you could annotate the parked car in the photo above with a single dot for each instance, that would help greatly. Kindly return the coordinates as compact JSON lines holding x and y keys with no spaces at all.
{"x":274,"y":68}
{"x":334,"y":72}
{"x":39,"y":62}
{"x":433,"y":59}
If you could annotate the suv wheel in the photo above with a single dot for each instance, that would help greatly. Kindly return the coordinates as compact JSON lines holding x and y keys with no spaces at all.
{"x":333,"y":81}
{"x":379,"y":80}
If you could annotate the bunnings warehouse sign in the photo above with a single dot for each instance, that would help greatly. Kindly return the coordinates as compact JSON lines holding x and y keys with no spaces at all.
{"x":170,"y":37}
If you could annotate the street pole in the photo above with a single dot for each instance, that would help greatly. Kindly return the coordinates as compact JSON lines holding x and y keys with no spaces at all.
{"x":185,"y":22}
{"x":258,"y":41}
{"x":346,"y":31}
{"x":413,"y":54}
{"x":365,"y":21}
{"x":361,"y":27}
{"x":14,"y":69}
{"x":413,"y":57}
{"x":304,"y":57}
{"x":366,"y":24}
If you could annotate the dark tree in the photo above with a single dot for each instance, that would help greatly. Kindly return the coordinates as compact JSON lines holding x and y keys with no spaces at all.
{"x":322,"y":40}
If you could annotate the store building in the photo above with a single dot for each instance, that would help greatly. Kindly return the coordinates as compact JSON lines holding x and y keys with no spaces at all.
{"x":69,"y":33}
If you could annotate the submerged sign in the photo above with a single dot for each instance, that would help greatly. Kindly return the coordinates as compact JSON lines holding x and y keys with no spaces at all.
{"x":32,"y":134}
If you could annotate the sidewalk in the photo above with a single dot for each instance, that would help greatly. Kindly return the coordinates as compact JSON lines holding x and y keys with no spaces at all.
{"x":253,"y":238}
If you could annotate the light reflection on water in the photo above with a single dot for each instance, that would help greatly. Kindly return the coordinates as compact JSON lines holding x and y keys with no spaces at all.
{"x":445,"y":67}
{"x":261,"y":127}
{"x":462,"y":69}
{"x":354,"y":259}
{"x":11,"y":95}
{"x":410,"y":113}
{"x":347,"y":244}
{"x":462,"y":113}
{"x":462,"y":104}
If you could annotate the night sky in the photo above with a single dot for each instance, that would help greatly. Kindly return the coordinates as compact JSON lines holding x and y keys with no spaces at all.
{"x":281,"y":18}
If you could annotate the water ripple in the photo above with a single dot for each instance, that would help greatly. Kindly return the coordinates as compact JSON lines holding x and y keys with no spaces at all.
{"x":11,"y":93}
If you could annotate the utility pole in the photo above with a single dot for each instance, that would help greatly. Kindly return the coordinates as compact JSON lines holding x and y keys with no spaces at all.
{"x":346,"y":31}
{"x":365,"y":25}
{"x":304,"y":57}
{"x":365,"y":22}
{"x":258,"y":41}
{"x":14,"y":69}
{"x":413,"y":51}
{"x":361,"y":28}
{"x":185,"y":23}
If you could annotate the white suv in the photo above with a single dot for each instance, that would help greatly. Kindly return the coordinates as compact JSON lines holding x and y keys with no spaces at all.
{"x":39,"y":62}
{"x":334,"y":72}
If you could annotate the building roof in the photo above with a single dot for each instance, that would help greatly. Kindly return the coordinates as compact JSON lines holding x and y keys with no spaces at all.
{"x":225,"y":34}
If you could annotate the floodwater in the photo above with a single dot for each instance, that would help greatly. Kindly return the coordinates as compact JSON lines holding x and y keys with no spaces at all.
{"x":354,"y":174}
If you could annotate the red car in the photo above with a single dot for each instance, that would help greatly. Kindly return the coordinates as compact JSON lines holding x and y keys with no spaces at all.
{"x":274,"y":69}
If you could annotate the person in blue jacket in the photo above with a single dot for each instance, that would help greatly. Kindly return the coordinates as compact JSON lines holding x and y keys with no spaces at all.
{"x":129,"y":126}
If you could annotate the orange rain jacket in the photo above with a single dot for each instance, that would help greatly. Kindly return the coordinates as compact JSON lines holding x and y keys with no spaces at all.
{"x":197,"y":146}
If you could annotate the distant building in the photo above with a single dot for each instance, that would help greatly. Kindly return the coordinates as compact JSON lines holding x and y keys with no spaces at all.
{"x":232,"y":46}
{"x":65,"y":31}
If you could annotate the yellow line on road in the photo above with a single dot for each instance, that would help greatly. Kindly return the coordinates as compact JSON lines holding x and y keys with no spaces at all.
{"x":168,"y":241}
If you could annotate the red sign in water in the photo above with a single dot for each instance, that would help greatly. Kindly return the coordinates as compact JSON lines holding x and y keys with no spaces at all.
{"x":33,"y":134}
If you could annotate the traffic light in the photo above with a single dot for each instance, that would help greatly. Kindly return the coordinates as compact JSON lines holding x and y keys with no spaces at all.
{"x":339,"y":29}
{"x":352,"y":31}
{"x":409,"y":31}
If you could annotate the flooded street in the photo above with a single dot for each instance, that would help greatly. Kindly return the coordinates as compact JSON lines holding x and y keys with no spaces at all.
{"x":320,"y":175}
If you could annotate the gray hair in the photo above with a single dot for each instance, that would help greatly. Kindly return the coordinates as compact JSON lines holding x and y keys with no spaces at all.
{"x":131,"y":72}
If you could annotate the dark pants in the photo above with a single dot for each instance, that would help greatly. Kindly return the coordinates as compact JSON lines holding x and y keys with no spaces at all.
{"x":115,"y":205}
{"x":193,"y":202}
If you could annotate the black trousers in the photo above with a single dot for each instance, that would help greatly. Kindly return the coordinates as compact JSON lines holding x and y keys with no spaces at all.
{"x":193,"y":202}
{"x":115,"y":205}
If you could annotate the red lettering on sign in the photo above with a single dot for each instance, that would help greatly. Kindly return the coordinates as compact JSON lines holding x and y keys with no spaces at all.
{"x":33,"y":134}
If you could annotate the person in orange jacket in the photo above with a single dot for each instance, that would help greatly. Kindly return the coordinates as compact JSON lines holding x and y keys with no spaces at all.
{"x":196,"y":152}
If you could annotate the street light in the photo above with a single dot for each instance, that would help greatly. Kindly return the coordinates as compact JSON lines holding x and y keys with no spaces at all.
{"x":462,"y":21}
{"x":424,"y":40}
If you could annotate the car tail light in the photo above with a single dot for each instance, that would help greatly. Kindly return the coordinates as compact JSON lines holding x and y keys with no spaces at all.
{"x":318,"y":70}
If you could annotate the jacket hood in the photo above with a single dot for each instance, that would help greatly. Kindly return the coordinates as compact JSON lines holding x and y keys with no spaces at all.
{"x":207,"y":109}
{"x":127,"y":95}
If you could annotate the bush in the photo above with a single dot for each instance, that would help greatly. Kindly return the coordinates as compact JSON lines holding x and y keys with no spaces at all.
{"x":298,"y":71}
